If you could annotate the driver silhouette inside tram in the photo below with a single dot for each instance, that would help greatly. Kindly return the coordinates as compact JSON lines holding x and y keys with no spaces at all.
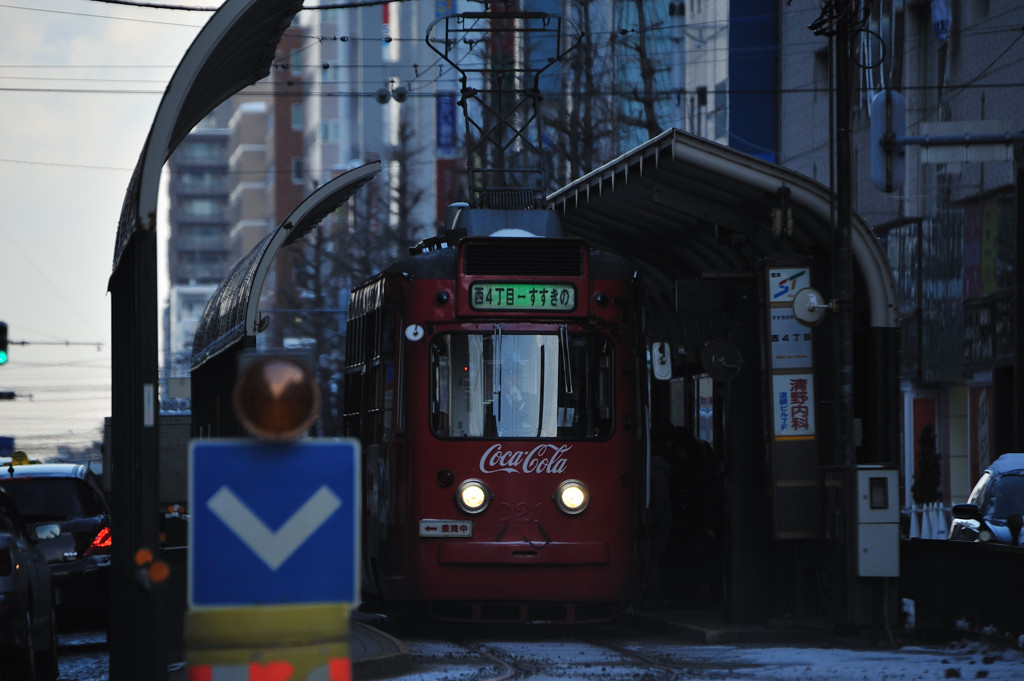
{"x":519,"y":414}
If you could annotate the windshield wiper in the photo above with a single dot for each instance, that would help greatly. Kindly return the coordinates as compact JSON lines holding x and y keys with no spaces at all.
{"x":496,"y":369}
{"x":563,"y":342}
{"x":540,"y":397}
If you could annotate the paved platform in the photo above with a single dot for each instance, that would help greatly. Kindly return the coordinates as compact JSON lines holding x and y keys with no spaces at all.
{"x":378,"y":655}
{"x":710,"y":626}
{"x":375,"y":654}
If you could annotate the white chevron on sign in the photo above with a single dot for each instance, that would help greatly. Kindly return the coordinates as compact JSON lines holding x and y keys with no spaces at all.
{"x":274,"y":547}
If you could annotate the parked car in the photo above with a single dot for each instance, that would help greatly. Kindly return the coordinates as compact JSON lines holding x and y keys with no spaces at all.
{"x":28,"y":626}
{"x":70,"y":497}
{"x":994,"y":510}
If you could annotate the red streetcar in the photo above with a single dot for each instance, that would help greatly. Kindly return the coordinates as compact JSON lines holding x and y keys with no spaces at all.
{"x":495,"y":383}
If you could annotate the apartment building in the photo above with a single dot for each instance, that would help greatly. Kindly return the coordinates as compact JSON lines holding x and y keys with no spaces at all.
{"x":950,"y":228}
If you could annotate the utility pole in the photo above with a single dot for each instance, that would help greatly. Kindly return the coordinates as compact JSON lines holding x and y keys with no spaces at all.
{"x":844,"y":210}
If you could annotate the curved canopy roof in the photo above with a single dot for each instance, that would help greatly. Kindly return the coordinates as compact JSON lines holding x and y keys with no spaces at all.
{"x":231,"y":314}
{"x":234,"y":49}
{"x":684,"y":207}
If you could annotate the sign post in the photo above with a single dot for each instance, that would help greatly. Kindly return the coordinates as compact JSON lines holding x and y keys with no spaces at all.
{"x":790,"y":380}
{"x":273,"y":559}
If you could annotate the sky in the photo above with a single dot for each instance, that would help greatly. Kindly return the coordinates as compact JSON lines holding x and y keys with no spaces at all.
{"x":80,"y":82}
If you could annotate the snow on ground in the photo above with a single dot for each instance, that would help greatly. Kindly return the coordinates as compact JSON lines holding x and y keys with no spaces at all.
{"x":668,"y":659}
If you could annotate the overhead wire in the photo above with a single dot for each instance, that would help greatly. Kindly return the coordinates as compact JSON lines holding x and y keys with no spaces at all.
{"x":426,"y":70}
{"x":423,"y":76}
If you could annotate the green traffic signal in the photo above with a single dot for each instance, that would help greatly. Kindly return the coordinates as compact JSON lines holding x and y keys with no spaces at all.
{"x":3,"y":343}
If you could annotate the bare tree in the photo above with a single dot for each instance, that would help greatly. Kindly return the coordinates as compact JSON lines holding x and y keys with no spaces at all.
{"x":315,"y":313}
{"x":373,"y":228}
{"x":646,"y":94}
{"x":581,"y":116}
{"x":611,"y":86}
{"x":404,"y":193}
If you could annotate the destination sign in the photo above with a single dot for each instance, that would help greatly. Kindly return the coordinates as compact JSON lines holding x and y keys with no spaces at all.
{"x":522,"y":296}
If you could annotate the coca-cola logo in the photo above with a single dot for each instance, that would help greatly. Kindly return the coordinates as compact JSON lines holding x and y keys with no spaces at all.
{"x":544,"y":458}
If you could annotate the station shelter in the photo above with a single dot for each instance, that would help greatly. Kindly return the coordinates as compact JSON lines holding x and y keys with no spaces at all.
{"x":739,"y":261}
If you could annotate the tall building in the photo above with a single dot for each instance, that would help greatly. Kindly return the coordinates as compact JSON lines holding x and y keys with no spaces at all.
{"x":197,"y":248}
{"x":233,"y":179}
{"x":951,"y":226}
{"x":372,"y":93}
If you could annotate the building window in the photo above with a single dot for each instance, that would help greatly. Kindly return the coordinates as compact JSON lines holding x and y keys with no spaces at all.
{"x":203,"y":151}
{"x":722,"y":109}
{"x":297,"y":116}
{"x":201,"y":181}
{"x":201,"y":208}
{"x":298,"y":169}
{"x":330,"y":130}
{"x":821,"y":74}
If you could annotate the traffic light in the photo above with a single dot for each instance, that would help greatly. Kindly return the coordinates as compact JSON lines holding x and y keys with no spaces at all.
{"x":3,"y":343}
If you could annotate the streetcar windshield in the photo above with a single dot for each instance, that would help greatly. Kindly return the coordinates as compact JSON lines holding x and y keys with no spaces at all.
{"x":521,"y":385}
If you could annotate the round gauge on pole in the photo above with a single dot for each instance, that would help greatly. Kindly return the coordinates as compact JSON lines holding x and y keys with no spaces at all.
{"x":809,"y":306}
{"x":721,"y":360}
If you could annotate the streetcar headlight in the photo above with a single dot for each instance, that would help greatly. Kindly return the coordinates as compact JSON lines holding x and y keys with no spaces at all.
{"x":985,"y":535}
{"x":472,"y":496}
{"x":572,"y":497}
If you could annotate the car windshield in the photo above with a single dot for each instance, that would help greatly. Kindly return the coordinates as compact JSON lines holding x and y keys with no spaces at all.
{"x":521,"y":385}
{"x":51,"y":498}
{"x":1008,"y":495}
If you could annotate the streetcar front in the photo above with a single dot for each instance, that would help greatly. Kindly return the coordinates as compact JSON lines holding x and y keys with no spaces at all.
{"x":512,"y":491}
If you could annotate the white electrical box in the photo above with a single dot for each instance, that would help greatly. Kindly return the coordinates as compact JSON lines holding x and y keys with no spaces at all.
{"x":878,"y":522}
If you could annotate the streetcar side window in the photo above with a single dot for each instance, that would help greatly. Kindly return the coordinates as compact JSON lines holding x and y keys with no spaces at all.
{"x":590,"y":403}
{"x":457,"y":389}
{"x":370,"y":381}
{"x":352,"y":418}
{"x":440,"y":367}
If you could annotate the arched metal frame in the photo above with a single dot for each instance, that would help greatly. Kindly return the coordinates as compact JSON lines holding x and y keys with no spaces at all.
{"x":230,"y":322}
{"x":234,"y":49}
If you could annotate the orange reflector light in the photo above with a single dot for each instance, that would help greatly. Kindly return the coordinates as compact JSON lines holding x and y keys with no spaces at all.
{"x":159,"y":571}
{"x":143,"y":557}
{"x":276,"y":398}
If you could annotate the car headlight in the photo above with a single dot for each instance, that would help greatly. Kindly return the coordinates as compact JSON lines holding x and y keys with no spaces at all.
{"x":572,"y":497}
{"x":472,"y":496}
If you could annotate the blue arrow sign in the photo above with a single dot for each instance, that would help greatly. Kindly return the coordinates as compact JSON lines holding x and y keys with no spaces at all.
{"x":273,"y":523}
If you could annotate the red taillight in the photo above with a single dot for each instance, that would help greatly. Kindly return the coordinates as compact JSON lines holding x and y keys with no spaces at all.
{"x":101,"y":544}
